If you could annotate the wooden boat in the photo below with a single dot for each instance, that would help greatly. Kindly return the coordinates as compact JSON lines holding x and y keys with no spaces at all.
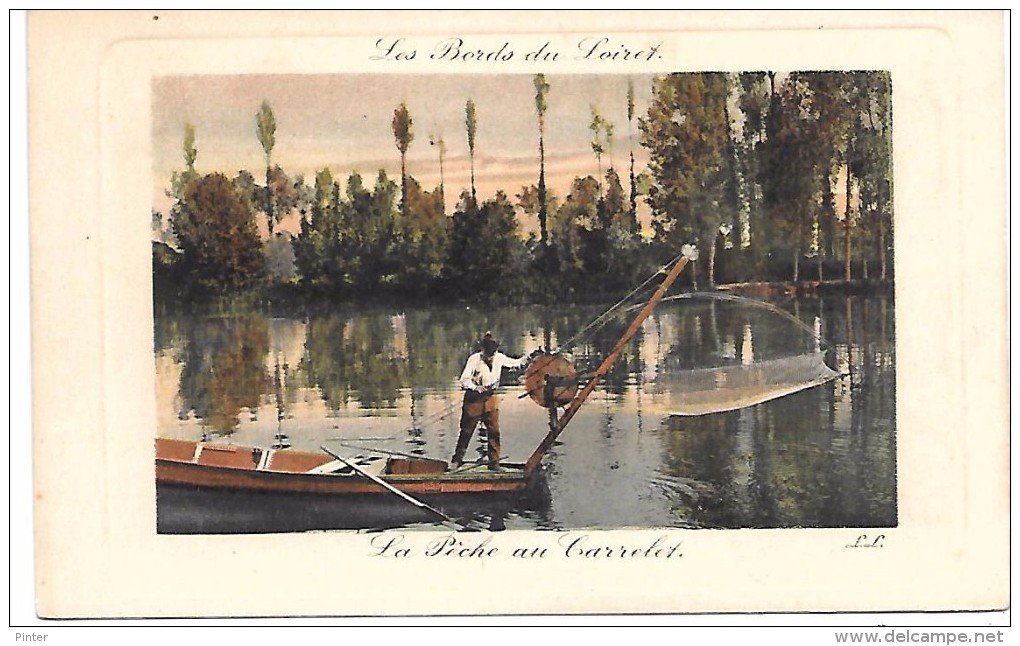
{"x":223,"y":466}
{"x":210,"y":488}
{"x":184,"y":466}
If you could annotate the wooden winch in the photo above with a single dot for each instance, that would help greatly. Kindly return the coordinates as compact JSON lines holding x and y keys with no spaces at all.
{"x":551,"y":380}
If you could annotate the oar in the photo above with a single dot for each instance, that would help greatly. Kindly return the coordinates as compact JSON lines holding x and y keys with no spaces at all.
{"x":379,"y":481}
{"x":384,"y":451}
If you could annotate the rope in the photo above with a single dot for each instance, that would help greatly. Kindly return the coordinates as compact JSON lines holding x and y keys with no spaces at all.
{"x":438,"y":416}
{"x":602,"y":319}
{"x":599,"y":322}
{"x":752,"y":301}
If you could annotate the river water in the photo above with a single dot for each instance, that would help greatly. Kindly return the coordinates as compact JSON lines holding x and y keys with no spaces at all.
{"x":385,"y":378}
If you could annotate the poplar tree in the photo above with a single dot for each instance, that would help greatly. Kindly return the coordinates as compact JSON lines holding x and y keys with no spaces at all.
{"x":403,"y":133}
{"x":265,"y":127}
{"x":471,"y":123}
{"x":541,"y":105}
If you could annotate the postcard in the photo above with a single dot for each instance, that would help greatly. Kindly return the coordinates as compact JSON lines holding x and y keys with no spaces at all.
{"x":358,"y":313}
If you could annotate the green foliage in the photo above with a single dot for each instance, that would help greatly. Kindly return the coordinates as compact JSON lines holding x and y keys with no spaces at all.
{"x":630,"y":100}
{"x":635,"y":226}
{"x":215,"y":229}
{"x":280,"y":263}
{"x":541,"y":92}
{"x":601,"y":135}
{"x":620,"y":254}
{"x":403,"y":128}
{"x":822,"y":125}
{"x":686,"y":133}
{"x":348,"y":246}
{"x":318,"y":239}
{"x":165,"y":270}
{"x":471,"y":123}
{"x":422,"y":240}
{"x":528,"y":198}
{"x":754,"y":100}
{"x":265,"y":128}
{"x":376,"y":231}
{"x":789,"y":167}
{"x":870,"y":97}
{"x":577,"y":213}
{"x":179,"y":180}
{"x":486,"y":261}
{"x":190,"y":152}
{"x":612,"y":209}
{"x":597,"y":252}
{"x":403,"y":134}
{"x":249,"y":191}
{"x":729,"y":154}
{"x":541,"y":105}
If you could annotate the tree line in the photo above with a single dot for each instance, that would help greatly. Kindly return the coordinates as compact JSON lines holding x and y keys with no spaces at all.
{"x":768,"y":175}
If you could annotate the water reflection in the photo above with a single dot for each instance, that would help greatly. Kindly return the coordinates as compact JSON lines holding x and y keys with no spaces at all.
{"x":223,"y":369}
{"x":354,"y":357}
{"x":387,"y":379}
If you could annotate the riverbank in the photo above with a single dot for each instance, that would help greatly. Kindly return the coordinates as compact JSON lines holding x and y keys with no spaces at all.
{"x":290,"y":298}
{"x":810,"y":288}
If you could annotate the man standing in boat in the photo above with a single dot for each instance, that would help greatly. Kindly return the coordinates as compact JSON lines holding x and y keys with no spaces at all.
{"x":479,"y":380}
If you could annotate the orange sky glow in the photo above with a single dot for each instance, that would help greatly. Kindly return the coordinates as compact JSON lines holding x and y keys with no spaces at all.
{"x":343,"y":122}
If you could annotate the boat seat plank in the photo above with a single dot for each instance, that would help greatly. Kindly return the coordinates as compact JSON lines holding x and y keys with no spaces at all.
{"x":296,"y":462}
{"x":222,"y":455}
{"x":178,"y":450}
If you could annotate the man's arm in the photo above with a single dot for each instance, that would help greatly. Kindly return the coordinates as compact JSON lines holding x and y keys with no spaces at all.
{"x":467,"y":377}
{"x":514,"y":364}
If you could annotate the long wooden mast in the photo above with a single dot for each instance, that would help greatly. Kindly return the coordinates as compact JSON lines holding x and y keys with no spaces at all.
{"x":689,"y":253}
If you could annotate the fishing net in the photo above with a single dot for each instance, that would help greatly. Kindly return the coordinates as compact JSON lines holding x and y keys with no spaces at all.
{"x":709,"y":352}
{"x":713,"y":390}
{"x":719,"y":352}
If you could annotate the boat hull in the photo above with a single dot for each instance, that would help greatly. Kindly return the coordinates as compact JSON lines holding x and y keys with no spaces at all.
{"x":183,"y":509}
{"x":178,"y":473}
{"x":209,"y":488}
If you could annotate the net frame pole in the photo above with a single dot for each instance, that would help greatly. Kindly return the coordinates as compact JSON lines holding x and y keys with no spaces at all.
{"x":536,"y":458}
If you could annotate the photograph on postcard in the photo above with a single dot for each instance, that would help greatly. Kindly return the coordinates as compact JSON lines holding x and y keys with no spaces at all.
{"x":512,"y":301}
{"x":707,"y":318}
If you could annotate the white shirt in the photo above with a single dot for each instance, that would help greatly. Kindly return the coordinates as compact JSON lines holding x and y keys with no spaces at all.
{"x":480,"y":377}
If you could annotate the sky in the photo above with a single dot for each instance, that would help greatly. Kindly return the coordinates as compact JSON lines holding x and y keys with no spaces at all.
{"x":344,"y":122}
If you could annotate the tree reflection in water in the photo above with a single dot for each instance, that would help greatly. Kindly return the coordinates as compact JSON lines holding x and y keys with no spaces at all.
{"x":224,"y":370}
{"x":823,"y":457}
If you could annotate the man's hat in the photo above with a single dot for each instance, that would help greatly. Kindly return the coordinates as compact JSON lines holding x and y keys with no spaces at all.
{"x":489,"y":343}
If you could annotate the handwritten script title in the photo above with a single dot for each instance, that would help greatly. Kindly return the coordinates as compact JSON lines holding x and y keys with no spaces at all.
{"x":594,"y":48}
{"x":570,"y":546}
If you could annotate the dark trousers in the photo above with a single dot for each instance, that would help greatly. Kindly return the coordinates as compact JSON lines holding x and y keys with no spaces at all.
{"x":479,"y":407}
